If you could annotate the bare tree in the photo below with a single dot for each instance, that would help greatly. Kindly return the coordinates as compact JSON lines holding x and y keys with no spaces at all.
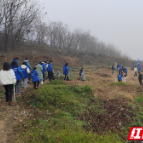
{"x":16,"y":19}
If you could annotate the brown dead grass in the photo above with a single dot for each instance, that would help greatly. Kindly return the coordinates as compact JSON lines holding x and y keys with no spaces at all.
{"x":101,"y":81}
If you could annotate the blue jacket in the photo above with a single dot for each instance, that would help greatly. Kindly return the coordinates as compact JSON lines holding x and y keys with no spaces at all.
{"x":18,"y":73}
{"x":16,"y":61}
{"x":119,"y":77}
{"x":139,"y":68}
{"x":24,"y":72}
{"x":120,"y":68}
{"x":50,"y":68}
{"x":80,"y":72}
{"x":44,"y":68}
{"x":34,"y":76}
{"x":126,"y":70}
{"x":65,"y":70}
{"x":28,"y":65}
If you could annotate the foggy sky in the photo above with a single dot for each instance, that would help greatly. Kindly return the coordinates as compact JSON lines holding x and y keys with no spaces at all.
{"x":119,"y":22}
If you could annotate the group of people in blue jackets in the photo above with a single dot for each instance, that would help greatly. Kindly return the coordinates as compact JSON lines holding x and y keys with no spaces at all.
{"x":122,"y":72}
{"x":14,"y":74}
{"x":37,"y":74}
{"x":138,"y":69}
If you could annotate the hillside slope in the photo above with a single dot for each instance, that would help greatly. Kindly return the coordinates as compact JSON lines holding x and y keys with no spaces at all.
{"x":67,"y":111}
{"x":59,"y":57}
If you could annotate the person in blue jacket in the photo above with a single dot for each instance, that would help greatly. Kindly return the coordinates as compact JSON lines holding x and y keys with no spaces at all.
{"x":119,"y":77}
{"x":28,"y":65}
{"x":139,"y":68}
{"x":44,"y":70}
{"x":25,"y":70}
{"x":82,"y":69}
{"x":119,"y":68}
{"x":18,"y":74}
{"x":35,"y":78}
{"x":118,"y":65}
{"x":133,"y":65}
{"x":126,"y":71}
{"x":16,"y":60}
{"x":66,"y":71}
{"x":50,"y":71}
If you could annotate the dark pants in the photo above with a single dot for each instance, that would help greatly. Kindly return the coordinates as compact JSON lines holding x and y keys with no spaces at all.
{"x":43,"y":77}
{"x":112,"y":71}
{"x":66,"y":77}
{"x":8,"y":92}
{"x":140,"y":81}
{"x":17,"y":86}
{"x":135,"y":74}
{"x":29,"y":76}
{"x":36,"y":84}
{"x":125,"y":74}
{"x":50,"y":75}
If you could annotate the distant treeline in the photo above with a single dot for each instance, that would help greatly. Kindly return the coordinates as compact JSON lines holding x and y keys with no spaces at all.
{"x":20,"y":22}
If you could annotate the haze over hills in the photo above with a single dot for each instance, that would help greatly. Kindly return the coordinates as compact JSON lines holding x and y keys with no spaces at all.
{"x":115,"y":22}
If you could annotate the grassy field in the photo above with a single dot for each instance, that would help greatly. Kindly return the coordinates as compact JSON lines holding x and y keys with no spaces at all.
{"x":98,"y":110}
{"x":66,"y":113}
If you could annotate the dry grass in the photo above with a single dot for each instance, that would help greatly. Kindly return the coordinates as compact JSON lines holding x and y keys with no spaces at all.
{"x":101,"y":81}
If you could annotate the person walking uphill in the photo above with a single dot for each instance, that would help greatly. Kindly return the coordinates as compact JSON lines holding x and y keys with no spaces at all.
{"x":50,"y":71}
{"x":28,"y":65}
{"x":139,"y":67}
{"x":16,"y":60}
{"x":35,"y":78}
{"x":7,"y":79}
{"x":39,"y":70}
{"x":18,"y":74}
{"x":44,"y":70}
{"x":25,"y":71}
{"x":140,"y":78}
{"x":66,"y":71}
{"x":133,"y":65}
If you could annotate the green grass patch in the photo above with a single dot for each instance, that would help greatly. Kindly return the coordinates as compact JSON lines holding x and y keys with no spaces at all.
{"x":118,"y":83}
{"x":139,"y":99}
{"x":62,"y":106}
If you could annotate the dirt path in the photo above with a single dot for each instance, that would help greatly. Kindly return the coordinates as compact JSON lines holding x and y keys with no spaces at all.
{"x":10,"y":116}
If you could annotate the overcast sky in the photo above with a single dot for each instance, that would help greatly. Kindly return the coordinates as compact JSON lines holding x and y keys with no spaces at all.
{"x":119,"y":22}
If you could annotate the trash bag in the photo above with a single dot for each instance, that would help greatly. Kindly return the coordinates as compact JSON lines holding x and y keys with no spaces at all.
{"x":58,"y":74}
{"x":83,"y":78}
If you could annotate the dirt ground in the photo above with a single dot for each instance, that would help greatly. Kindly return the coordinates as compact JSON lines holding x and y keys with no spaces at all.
{"x":100,"y":79}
